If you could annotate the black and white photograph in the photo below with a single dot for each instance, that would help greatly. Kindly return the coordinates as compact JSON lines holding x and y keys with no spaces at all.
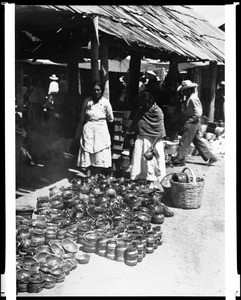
{"x":120,"y":146}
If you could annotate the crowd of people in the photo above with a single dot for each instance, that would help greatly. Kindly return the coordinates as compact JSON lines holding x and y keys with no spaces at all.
{"x":148,"y":127}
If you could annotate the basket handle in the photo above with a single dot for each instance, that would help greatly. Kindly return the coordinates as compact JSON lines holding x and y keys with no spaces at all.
{"x":165,"y":177}
{"x":192,"y":173}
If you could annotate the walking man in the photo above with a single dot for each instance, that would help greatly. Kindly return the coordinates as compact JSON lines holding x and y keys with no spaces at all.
{"x":193,"y":108}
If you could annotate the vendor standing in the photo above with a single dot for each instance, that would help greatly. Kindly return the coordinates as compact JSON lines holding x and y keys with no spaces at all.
{"x":53,"y":88}
{"x":93,"y":134}
{"x":193,"y":109}
{"x":148,"y":124}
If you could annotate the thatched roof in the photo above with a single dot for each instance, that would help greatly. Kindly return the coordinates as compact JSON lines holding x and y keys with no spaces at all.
{"x":163,"y":29}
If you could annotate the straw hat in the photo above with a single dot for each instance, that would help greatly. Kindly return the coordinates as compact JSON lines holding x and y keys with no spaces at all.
{"x":151,"y":73}
{"x":53,"y":77}
{"x":186,"y":84}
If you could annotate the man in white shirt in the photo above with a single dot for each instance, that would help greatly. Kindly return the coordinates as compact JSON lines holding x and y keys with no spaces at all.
{"x":53,"y":87}
{"x":191,"y":133}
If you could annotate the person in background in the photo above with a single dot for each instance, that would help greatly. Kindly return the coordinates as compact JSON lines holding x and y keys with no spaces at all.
{"x":193,"y":109}
{"x":153,"y":87}
{"x":148,"y":124}
{"x":37,"y":98}
{"x":53,"y":88}
{"x":219,"y":102}
{"x":123,"y":90}
{"x":92,"y":133}
{"x":142,"y":83}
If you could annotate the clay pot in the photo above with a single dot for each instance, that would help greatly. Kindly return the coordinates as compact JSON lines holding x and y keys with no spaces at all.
{"x":157,"y":218}
{"x":57,"y":271}
{"x":66,"y":266}
{"x":49,"y":281}
{"x":73,"y":262}
{"x":23,"y":275}
{"x":68,"y":255}
{"x":82,"y":258}
{"x":41,"y":257}
{"x":57,"y":203}
{"x":53,"y":191}
{"x":38,"y":237}
{"x":69,"y":245}
{"x":149,"y":154}
{"x":45,"y":269}
{"x":53,"y":260}
{"x":144,"y":217}
{"x":24,"y":231}
{"x":25,"y":211}
{"x":39,"y":223}
{"x":180,"y":177}
{"x":43,"y":249}
{"x":57,"y":249}
{"x":29,"y":261}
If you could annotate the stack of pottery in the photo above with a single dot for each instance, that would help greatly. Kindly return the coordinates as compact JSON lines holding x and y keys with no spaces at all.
{"x":25,"y":211}
{"x":35,"y":284}
{"x":82,"y":228}
{"x":120,"y":250}
{"x":150,"y":242}
{"x":139,"y":243}
{"x":22,"y":280}
{"x":42,"y":204}
{"x":58,"y":273}
{"x":101,"y":246}
{"x":111,"y":248}
{"x":131,"y":256}
{"x":90,"y":241}
{"x":49,"y":281}
{"x":82,"y":258}
{"x":37,"y":237}
{"x":66,"y":266}
{"x":50,"y":233}
{"x":157,"y":234}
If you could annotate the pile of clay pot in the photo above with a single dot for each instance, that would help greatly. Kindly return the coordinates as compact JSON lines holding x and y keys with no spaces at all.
{"x":116,"y":218}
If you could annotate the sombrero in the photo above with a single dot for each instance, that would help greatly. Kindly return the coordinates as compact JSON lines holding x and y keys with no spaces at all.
{"x":186,"y":84}
{"x":53,"y":77}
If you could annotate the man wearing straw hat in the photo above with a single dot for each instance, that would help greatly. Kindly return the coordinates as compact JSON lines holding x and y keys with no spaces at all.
{"x":193,"y":108}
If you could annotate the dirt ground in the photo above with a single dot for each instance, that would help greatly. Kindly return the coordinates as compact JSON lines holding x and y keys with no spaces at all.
{"x":190,"y":261}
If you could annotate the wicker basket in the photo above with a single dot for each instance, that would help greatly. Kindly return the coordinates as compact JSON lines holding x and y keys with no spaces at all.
{"x":187,"y":195}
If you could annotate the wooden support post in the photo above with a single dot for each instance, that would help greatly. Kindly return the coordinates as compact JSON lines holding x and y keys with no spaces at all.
{"x":133,"y":80}
{"x":73,"y":94}
{"x":104,"y":68}
{"x":94,"y":53}
{"x":172,"y":80}
{"x":212,"y":89}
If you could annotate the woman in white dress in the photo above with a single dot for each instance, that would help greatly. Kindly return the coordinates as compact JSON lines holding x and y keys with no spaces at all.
{"x":93,"y":134}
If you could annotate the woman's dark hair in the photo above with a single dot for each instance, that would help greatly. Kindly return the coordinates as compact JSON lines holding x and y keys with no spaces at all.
{"x":98,"y":84}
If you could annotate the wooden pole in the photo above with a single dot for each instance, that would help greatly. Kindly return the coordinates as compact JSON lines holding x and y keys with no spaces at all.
{"x":212,"y":89}
{"x":94,"y":52}
{"x":172,"y":80}
{"x":104,"y":68}
{"x":133,"y":80}
{"x":73,"y":92}
{"x":73,"y":84}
